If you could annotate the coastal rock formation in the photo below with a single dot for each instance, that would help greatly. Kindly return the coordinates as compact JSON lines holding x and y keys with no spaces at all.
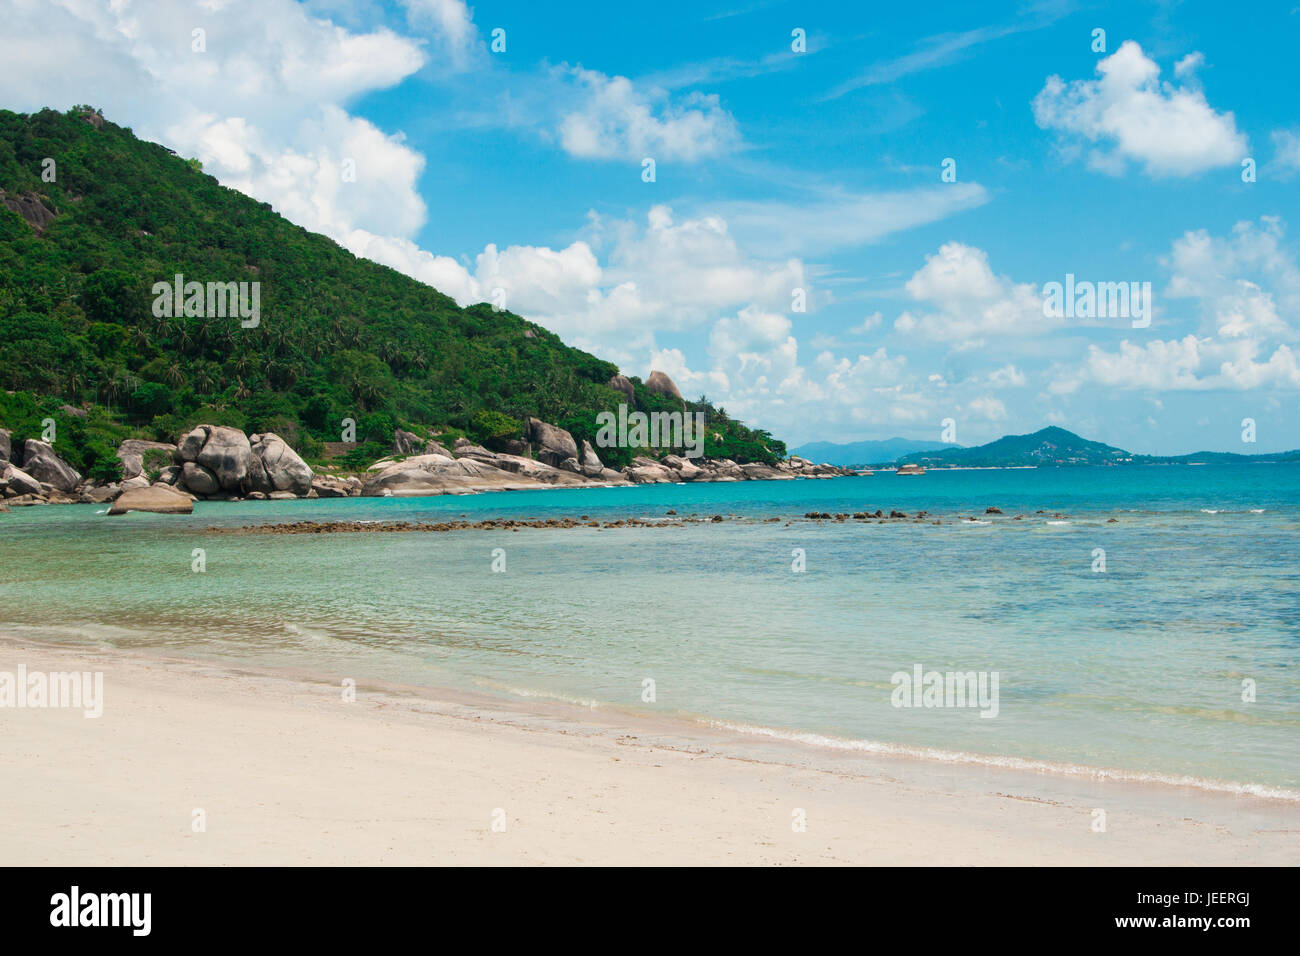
{"x":159,"y":499}
{"x":589,"y":462}
{"x":14,"y":481}
{"x":227,"y":454}
{"x":276,"y":467}
{"x":660,"y":382}
{"x":553,"y":444}
{"x":198,"y":479}
{"x":433,"y":475}
{"x":331,"y":486}
{"x":5,"y":444}
{"x":133,"y":452}
{"x":408,"y":443}
{"x":464,"y":448}
{"x":40,"y":461}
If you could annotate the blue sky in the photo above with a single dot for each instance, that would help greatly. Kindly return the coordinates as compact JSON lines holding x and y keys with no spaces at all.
{"x":519,"y":174}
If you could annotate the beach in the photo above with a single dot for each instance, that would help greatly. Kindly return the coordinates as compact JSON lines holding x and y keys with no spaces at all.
{"x":281,"y":769}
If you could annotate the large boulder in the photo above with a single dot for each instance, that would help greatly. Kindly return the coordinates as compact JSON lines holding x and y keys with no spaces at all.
{"x":198,"y":479}
{"x":14,"y":481}
{"x":228,"y":455}
{"x":132,"y":453}
{"x":277,"y":467}
{"x":465,"y":448}
{"x":435,"y":475}
{"x":159,"y":499}
{"x":553,"y":444}
{"x":685,"y":468}
{"x":621,"y":383}
{"x":40,"y":461}
{"x":31,"y":207}
{"x":661,"y":383}
{"x":589,"y":461}
{"x":407,"y":443}
{"x":5,"y":443}
{"x":331,"y":486}
{"x":191,"y":444}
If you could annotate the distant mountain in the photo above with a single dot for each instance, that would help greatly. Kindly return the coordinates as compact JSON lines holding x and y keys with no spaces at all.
{"x":1048,"y":446}
{"x":1056,"y":446}
{"x":866,"y":452}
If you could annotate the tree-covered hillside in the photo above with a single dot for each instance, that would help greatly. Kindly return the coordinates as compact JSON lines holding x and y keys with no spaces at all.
{"x":84,"y":239}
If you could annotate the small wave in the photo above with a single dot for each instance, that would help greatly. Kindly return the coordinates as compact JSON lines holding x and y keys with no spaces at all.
{"x":1257,"y":511}
{"x":529,"y":692}
{"x":1209,"y":511}
{"x":1011,"y":763}
{"x":1058,"y":522}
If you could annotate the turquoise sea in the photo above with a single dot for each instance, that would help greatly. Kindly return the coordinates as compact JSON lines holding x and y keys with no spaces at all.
{"x":1138,"y":670}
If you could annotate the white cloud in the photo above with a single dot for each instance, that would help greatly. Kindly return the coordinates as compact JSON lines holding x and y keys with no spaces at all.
{"x":264,"y":110}
{"x":969,"y":301}
{"x":834,"y":220}
{"x":1172,"y":130}
{"x":618,"y":120}
{"x":1286,"y":153}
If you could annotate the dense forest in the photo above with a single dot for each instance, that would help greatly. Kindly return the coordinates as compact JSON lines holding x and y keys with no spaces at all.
{"x":92,"y":217}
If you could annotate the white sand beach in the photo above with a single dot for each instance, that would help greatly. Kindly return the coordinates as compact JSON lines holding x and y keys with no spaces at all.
{"x":284,"y":771}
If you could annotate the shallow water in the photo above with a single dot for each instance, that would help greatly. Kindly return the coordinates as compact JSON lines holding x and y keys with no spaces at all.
{"x":1139,"y":669}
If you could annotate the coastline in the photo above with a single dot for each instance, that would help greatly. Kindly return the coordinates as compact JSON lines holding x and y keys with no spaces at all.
{"x":286,"y":772}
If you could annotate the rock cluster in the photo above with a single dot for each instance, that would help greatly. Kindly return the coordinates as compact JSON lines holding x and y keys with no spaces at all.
{"x":222,"y":463}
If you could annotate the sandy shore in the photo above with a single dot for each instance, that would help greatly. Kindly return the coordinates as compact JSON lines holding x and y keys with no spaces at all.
{"x":284,"y":771}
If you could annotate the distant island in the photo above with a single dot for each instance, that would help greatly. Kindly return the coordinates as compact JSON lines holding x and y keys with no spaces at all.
{"x":1054,"y":446}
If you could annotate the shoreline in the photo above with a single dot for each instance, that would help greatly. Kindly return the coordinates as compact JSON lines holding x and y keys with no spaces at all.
{"x":265,"y":753}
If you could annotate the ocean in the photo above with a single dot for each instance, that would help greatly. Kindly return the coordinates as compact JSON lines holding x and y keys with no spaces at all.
{"x":1177,"y":662}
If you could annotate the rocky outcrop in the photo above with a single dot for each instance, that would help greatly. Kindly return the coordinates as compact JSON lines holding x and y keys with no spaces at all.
{"x":159,"y":499}
{"x":222,"y":451}
{"x":464,"y":448}
{"x":14,"y":481}
{"x":434,"y":475}
{"x":277,"y":467}
{"x":6,"y":445}
{"x":589,"y":462}
{"x":331,"y":486}
{"x":660,"y":383}
{"x":133,"y":454}
{"x":30,"y":207}
{"x":552,"y":444}
{"x":621,"y":383}
{"x":40,"y":461}
{"x":198,"y":479}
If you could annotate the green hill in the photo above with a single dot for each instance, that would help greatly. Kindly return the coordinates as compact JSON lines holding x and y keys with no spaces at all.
{"x":1048,"y":446}
{"x":339,"y":337}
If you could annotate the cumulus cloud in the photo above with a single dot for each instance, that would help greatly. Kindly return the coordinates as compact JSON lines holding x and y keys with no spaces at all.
{"x":1130,"y":115}
{"x":967,"y":301}
{"x":1286,"y":153}
{"x":264,"y":110}
{"x":1245,"y":286}
{"x":616,"y":119}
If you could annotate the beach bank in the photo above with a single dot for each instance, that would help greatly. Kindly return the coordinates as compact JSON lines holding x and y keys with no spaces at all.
{"x":208,"y":762}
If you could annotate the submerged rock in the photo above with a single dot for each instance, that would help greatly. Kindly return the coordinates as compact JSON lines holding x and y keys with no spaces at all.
{"x":159,"y":499}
